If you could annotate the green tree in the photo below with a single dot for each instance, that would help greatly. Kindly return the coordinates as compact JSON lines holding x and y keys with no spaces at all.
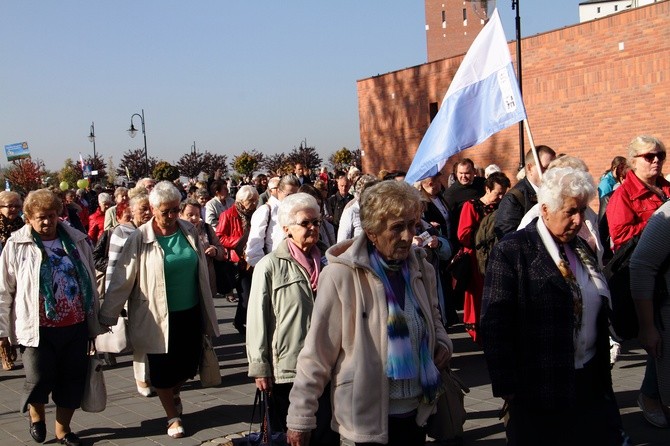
{"x":165,"y":171}
{"x":246,"y":163}
{"x":341,"y":159}
{"x":70,"y":173}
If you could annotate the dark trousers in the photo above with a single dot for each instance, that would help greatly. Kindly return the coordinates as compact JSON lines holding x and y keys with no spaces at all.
{"x":593,"y":420}
{"x":57,"y":365}
{"x":243,"y":287}
{"x":403,"y":431}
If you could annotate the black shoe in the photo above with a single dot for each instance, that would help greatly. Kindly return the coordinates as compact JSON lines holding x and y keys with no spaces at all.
{"x":38,"y":430}
{"x":70,"y":439}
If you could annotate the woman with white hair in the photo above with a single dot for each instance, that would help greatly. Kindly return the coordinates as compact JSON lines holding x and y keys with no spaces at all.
{"x":283,"y":290}
{"x":544,"y":324}
{"x":162,"y":273}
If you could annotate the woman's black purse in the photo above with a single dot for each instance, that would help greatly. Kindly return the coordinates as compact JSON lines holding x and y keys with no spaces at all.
{"x":265,"y":437}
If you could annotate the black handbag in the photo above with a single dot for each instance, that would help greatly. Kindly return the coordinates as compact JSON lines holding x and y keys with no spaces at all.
{"x":264,"y":437}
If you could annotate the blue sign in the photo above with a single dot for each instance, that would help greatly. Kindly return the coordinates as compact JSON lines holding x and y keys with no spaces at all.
{"x":17,"y":151}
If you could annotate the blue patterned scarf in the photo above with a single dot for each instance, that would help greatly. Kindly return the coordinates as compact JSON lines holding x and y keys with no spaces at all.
{"x":46,"y":279}
{"x":400,"y":359}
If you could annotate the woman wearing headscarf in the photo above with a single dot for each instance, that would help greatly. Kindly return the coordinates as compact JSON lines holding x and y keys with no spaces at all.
{"x":376,"y":332}
{"x":162,"y":274}
{"x":49,"y":308}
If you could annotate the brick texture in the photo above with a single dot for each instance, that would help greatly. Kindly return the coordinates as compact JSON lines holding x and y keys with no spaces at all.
{"x":453,"y":36}
{"x":589,"y":89}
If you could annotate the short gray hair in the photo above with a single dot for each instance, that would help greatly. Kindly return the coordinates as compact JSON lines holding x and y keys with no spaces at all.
{"x":104,"y":197}
{"x":164,"y":192}
{"x":293,"y":204}
{"x":246,"y":192}
{"x":565,"y":182}
{"x":388,"y":199}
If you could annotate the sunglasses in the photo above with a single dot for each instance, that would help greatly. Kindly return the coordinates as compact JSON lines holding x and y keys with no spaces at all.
{"x":307,"y":223}
{"x":649,"y":157}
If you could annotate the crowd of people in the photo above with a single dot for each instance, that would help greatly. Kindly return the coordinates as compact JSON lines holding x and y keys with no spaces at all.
{"x":346,"y":284}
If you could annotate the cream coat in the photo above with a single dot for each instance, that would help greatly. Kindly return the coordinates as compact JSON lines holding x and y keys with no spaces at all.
{"x":139,"y":278}
{"x":20,"y":286}
{"x":347,"y":344}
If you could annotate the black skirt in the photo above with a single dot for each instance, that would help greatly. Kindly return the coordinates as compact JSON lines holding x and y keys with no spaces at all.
{"x":180,"y":363}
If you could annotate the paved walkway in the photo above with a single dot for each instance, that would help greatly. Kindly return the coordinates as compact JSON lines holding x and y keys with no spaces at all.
{"x":211,"y":415}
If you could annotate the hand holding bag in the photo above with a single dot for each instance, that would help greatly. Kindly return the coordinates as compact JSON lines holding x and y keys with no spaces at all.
{"x":265,"y":437}
{"x":95,"y":392}
{"x":210,"y":373}
{"x":117,"y":340}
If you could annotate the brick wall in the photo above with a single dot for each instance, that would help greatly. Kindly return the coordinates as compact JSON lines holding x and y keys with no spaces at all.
{"x":589,"y":89}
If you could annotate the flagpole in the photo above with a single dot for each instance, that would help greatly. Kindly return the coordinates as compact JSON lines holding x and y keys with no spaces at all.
{"x":515,"y":6}
{"x":532,"y":147}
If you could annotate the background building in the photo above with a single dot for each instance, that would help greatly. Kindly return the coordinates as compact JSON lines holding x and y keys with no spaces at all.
{"x":589,"y":89}
{"x":451,"y":26}
{"x":595,"y":9}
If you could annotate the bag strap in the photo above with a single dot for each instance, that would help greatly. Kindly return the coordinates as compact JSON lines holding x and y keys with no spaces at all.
{"x":257,"y":403}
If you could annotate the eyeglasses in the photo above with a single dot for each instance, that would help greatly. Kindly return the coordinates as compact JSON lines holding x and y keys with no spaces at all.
{"x":307,"y":223}
{"x":649,"y":157}
{"x":10,"y":206}
{"x":167,"y":212}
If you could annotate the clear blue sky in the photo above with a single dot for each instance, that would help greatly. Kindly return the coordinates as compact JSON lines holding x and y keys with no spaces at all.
{"x":230,"y":75}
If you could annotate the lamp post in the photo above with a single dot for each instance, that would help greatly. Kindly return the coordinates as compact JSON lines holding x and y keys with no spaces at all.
{"x":132,"y":131}
{"x":91,"y":137}
{"x":194,"y":151}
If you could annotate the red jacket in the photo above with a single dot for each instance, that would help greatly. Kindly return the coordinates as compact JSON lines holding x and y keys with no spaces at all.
{"x":96,"y":225}
{"x":631,"y":206}
{"x":230,"y":231}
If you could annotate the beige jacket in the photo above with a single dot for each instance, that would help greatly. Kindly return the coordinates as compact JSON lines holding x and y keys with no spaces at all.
{"x":347,"y":344}
{"x":20,"y":286}
{"x":139,"y":278}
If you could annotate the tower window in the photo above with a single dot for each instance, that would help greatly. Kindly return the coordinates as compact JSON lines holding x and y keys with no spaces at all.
{"x":432,"y":110}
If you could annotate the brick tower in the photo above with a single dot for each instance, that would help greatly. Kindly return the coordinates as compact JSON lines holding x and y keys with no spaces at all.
{"x":451,"y":26}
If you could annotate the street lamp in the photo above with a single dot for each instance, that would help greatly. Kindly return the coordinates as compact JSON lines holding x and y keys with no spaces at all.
{"x":194,"y":151}
{"x":91,"y":137}
{"x":132,"y":131}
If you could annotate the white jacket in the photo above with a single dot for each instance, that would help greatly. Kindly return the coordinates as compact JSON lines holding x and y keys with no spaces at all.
{"x":139,"y":278}
{"x":20,"y":286}
{"x":265,"y":233}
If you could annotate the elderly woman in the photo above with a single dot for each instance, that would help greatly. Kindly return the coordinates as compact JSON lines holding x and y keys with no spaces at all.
{"x":472,"y":213}
{"x":130,"y":216}
{"x":376,"y":332}
{"x":10,"y":220}
{"x":282,"y":296}
{"x":49,"y":307}
{"x":649,"y":263}
{"x":544,"y":324}
{"x":350,"y":221}
{"x":233,"y":232}
{"x":162,"y":273}
{"x":189,"y":210}
{"x":632,"y":204}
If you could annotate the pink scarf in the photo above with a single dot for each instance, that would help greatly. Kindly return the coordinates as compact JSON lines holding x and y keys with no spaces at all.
{"x":310,"y":261}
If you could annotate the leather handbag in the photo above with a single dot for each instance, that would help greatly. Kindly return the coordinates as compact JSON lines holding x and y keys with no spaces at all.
{"x":117,"y":340}
{"x":95,"y":392}
{"x":210,"y":373}
{"x":446,"y":425}
{"x":264,"y":437}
